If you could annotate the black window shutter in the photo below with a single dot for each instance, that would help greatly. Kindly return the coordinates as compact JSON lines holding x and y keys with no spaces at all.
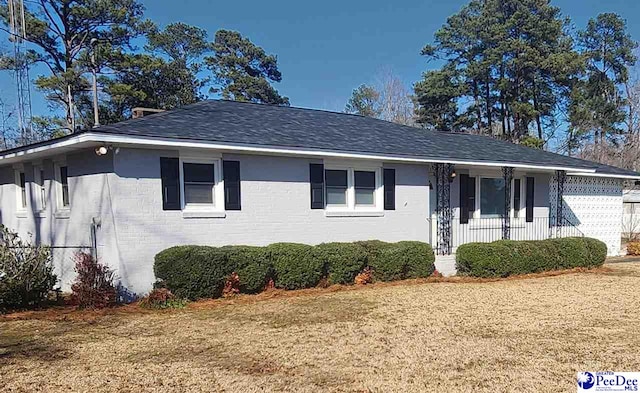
{"x":389,"y":180}
{"x":170,"y":176}
{"x":464,"y":198}
{"x":316,"y":180}
{"x":529,"y":201}
{"x":231,"y":173}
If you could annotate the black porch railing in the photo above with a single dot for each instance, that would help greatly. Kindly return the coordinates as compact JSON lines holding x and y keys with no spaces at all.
{"x":489,"y":229}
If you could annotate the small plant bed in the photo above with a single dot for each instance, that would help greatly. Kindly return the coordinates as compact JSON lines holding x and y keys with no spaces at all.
{"x":163,"y":299}
{"x":196,"y":272}
{"x":505,"y":258}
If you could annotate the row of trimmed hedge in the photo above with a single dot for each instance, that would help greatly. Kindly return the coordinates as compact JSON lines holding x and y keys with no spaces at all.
{"x":194,"y":272}
{"x":504,"y":258}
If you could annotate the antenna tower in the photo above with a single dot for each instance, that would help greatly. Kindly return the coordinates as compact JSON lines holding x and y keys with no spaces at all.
{"x":18,"y":35}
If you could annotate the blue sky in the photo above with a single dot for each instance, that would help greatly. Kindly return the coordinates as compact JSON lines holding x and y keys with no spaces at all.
{"x":327,"y":48}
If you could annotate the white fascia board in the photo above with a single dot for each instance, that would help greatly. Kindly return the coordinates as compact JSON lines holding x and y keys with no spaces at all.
{"x":609,"y":175}
{"x":69,"y":143}
{"x":154,"y":142}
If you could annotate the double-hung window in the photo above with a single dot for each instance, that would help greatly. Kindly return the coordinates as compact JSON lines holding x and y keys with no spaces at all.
{"x":337,"y":185}
{"x":365,"y":188}
{"x":353,"y":188}
{"x":21,"y":189}
{"x":63,"y":196}
{"x":199,"y":182}
{"x":64,"y":184}
{"x":202,"y":187}
{"x":40,"y":191}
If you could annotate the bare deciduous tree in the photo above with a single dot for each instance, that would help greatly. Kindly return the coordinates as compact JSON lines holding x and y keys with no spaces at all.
{"x":387,"y":99}
{"x":396,"y":101}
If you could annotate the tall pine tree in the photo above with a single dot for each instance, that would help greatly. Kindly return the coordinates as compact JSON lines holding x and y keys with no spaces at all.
{"x":514,"y":64}
{"x":597,"y":107}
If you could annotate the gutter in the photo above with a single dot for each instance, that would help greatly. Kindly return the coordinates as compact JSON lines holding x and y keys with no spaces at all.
{"x":91,"y":138}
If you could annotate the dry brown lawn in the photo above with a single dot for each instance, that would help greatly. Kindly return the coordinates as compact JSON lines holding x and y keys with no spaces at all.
{"x":529,"y":334}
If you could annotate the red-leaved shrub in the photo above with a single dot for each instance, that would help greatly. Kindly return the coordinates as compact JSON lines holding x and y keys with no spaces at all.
{"x":270,"y":285}
{"x":161,"y":298}
{"x":93,"y":287}
{"x":231,"y":285}
{"x":365,"y":277}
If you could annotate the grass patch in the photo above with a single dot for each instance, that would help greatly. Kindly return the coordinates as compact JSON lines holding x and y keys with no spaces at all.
{"x":413,"y":336}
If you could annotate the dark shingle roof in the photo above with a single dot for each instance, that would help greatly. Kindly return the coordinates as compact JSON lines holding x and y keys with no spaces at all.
{"x":256,"y":124}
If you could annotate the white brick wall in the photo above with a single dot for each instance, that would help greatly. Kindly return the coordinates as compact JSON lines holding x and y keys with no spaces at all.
{"x":275,"y":208}
{"x":594,"y":205}
{"x":89,"y":197}
{"x":123,"y":190}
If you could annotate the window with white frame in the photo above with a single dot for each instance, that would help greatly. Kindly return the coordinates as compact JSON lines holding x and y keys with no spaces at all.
{"x":63,"y":199}
{"x":41,"y":195}
{"x":491,"y":197}
{"x":353,"y":188}
{"x":337,"y":185}
{"x":490,"y":202}
{"x":21,"y":189}
{"x":201,"y":184}
{"x":365,"y":188}
{"x":517,"y":197}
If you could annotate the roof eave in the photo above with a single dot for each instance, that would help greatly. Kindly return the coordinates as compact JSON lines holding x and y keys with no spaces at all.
{"x":608,"y":175}
{"x":92,"y":138}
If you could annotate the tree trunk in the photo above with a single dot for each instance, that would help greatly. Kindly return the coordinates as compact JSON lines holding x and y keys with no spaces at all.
{"x":488,"y":103}
{"x":535,"y":106}
{"x":68,"y":63}
{"x":509,"y":131}
{"x":476,"y":98}
{"x":503,"y":108}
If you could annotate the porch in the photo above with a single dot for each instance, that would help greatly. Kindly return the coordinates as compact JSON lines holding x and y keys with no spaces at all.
{"x":486,"y":204}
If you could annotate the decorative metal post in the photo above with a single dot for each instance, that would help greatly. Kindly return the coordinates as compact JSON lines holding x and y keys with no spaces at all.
{"x":561,"y":176}
{"x":507,"y":175}
{"x":443,"y":206}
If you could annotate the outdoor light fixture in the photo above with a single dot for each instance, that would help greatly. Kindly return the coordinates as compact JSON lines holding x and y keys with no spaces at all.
{"x":453,"y":176}
{"x":101,"y":151}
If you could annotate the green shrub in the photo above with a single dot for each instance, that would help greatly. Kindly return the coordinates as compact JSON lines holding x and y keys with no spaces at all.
{"x":295,"y":266}
{"x":503,"y":258}
{"x":597,"y":251}
{"x":26,"y":272}
{"x":193,"y":272}
{"x":373,"y":248}
{"x":399,"y":261}
{"x":342,"y":261}
{"x":252,"y":266}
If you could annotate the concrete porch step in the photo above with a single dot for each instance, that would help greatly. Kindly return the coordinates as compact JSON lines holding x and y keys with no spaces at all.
{"x":446,"y":264}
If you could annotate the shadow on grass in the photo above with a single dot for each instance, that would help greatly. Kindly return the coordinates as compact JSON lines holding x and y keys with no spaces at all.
{"x":299,"y":312}
{"x":203,"y":354}
{"x":17,"y":345}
